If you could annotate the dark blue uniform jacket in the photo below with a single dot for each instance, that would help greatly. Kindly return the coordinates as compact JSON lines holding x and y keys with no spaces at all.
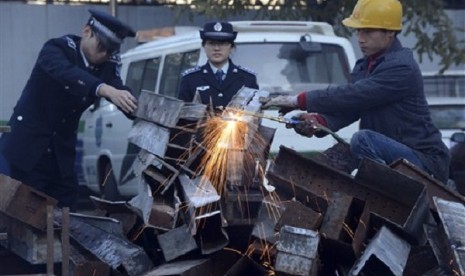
{"x":202,"y":80}
{"x":390,"y":100}
{"x":46,"y":117}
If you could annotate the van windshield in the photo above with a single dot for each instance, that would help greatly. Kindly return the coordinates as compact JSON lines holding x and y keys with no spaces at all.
{"x":293,"y":67}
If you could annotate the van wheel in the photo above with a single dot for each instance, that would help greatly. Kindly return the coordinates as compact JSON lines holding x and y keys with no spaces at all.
{"x":108,"y":185}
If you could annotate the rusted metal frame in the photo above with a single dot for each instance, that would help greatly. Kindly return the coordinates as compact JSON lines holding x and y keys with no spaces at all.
{"x":452,"y":225}
{"x":389,"y":193}
{"x":176,"y":242}
{"x":386,"y":254}
{"x":24,"y":203}
{"x":297,"y":251}
{"x":433,"y":186}
{"x":27,"y":242}
{"x":112,"y":249}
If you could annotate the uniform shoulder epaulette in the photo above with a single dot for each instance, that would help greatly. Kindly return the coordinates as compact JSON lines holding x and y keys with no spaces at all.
{"x":191,"y":70}
{"x":246,"y":69}
{"x":70,"y":42}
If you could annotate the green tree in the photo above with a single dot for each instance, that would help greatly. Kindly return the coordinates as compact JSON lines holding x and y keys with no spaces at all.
{"x":420,"y":17}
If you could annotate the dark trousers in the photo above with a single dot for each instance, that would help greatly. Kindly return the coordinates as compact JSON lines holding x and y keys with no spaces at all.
{"x":46,"y":178}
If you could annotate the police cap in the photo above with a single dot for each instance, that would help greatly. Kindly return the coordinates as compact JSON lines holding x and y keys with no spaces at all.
{"x":220,"y":31}
{"x":110,"y":31}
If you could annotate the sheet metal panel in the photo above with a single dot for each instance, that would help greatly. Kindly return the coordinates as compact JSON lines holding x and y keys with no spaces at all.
{"x":452,"y":215}
{"x":386,"y":254}
{"x":24,"y":203}
{"x":297,"y":251}
{"x":115,"y":251}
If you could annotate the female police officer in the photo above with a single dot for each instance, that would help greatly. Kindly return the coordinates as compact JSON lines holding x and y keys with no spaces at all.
{"x":217,"y":81}
{"x":71,"y":72}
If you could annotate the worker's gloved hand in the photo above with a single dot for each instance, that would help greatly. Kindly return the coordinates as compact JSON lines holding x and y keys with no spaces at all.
{"x":286,"y":103}
{"x":307,"y":124}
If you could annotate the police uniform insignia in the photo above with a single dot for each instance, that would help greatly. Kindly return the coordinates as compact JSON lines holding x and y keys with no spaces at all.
{"x":190,"y":70}
{"x":71,"y":43}
{"x":115,"y":58}
{"x":217,"y":27}
{"x":246,"y":70}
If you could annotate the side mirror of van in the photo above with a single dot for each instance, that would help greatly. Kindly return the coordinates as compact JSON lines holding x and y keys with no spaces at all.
{"x":458,"y":137}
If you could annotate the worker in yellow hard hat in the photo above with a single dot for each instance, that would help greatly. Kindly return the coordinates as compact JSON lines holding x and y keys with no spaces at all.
{"x":385,"y":93}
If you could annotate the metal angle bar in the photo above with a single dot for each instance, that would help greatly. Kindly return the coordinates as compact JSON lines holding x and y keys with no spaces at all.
{"x":386,"y":192}
{"x":453,"y":223}
{"x":183,"y":268}
{"x":433,"y":186}
{"x":268,"y":215}
{"x":297,"y":251}
{"x":387,"y":254}
{"x":158,"y":108}
{"x":150,"y":137}
{"x":176,"y":242}
{"x":111,"y":249}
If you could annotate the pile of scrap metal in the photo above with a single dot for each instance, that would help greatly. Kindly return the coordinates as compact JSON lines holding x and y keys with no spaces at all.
{"x":303,"y":217}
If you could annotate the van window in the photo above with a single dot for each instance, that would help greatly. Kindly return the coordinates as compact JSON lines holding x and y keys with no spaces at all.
{"x":292,"y":67}
{"x":448,"y":116}
{"x":175,"y":64}
{"x":143,"y":74}
{"x":444,"y":85}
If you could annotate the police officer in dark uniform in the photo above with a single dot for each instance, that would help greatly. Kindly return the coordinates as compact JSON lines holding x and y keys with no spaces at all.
{"x":71,"y":72}
{"x":219,"y":79}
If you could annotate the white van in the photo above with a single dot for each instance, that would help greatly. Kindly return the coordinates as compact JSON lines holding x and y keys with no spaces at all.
{"x":287,"y":56}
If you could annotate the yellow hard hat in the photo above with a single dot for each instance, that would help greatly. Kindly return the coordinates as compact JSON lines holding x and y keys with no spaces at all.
{"x":376,"y":14}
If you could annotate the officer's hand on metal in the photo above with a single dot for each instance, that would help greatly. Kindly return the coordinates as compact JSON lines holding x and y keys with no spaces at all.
{"x":306,"y":124}
{"x":121,"y":98}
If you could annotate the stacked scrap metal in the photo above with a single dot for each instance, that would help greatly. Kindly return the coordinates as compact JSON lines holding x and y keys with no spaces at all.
{"x":304,"y":218}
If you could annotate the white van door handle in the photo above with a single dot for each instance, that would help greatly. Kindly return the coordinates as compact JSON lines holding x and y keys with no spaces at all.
{"x":109,"y":124}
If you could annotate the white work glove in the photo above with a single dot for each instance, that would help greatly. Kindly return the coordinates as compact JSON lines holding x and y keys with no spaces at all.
{"x":285,"y":103}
